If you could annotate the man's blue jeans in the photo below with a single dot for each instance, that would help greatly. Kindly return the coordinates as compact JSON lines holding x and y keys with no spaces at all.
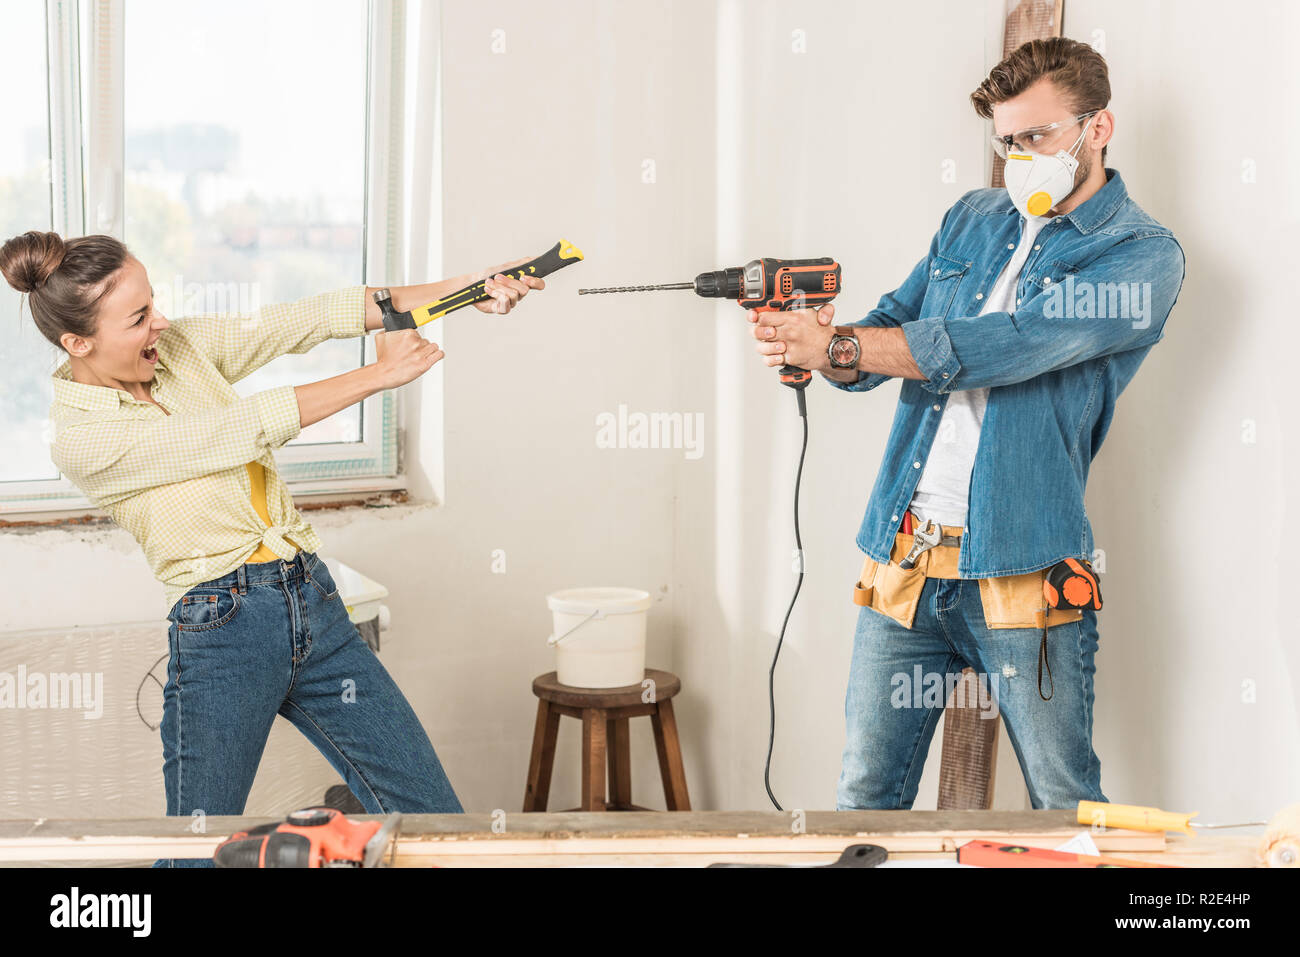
{"x":275,"y":638}
{"x":899,"y":683}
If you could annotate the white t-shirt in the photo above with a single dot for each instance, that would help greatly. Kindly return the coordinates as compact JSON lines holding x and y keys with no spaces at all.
{"x":942,"y":493}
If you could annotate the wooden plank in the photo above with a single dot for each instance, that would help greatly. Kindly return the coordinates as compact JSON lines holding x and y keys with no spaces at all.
{"x":565,"y":837}
{"x":1214,"y":851}
{"x":455,"y":850}
{"x":969,"y":755}
{"x":641,"y":823}
{"x":471,"y":852}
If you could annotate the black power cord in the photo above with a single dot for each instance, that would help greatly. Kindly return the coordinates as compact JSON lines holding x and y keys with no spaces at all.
{"x":798,"y":543}
{"x":140,"y":687}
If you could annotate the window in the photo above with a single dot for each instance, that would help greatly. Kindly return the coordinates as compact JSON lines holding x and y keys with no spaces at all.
{"x":248,"y":153}
{"x":24,"y":204}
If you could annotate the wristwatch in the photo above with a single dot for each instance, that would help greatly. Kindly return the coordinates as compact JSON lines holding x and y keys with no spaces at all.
{"x":844,"y":349}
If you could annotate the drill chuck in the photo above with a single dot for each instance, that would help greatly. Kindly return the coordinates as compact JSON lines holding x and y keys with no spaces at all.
{"x":721,"y":283}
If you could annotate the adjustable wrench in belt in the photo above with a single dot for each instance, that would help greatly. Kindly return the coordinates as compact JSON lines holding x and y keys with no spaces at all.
{"x":923,"y":539}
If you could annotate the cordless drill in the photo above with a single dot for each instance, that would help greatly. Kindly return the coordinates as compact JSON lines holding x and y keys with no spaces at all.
{"x":767,"y":285}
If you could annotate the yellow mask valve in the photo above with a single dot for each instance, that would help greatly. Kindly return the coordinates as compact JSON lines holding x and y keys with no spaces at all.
{"x":1039,"y":204}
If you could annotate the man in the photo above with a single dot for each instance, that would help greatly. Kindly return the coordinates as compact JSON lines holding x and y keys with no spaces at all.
{"x":1014,"y":336}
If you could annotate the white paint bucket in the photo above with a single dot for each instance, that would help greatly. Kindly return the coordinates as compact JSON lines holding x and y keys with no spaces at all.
{"x":599,"y":636}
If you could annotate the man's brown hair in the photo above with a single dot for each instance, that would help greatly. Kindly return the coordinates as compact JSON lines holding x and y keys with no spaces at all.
{"x":1074,"y":68}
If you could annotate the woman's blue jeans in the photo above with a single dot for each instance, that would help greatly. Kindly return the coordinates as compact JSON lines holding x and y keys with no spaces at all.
{"x":275,"y":638}
{"x":899,"y":683}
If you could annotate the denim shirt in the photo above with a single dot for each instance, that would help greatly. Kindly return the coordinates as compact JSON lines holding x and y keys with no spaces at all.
{"x":1091,"y":301}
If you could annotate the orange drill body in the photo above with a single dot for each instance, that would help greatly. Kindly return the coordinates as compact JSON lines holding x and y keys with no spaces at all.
{"x":781,"y":285}
{"x":311,"y":837}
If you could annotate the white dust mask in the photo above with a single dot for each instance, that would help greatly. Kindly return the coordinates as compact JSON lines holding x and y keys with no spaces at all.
{"x":1036,"y":183}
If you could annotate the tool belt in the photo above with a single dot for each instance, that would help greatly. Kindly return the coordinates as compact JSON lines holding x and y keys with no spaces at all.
{"x":1009,"y":601}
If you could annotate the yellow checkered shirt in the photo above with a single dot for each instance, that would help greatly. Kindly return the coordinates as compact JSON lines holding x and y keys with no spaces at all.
{"x":179,"y":483}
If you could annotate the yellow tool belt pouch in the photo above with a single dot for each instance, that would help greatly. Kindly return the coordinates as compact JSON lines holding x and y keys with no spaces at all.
{"x":1016,"y":601}
{"x":1009,"y":601}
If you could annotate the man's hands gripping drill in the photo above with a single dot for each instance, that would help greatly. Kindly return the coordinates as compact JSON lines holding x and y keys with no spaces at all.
{"x":799,"y":337}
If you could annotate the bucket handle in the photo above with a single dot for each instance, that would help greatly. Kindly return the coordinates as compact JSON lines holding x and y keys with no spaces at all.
{"x":595,"y":613}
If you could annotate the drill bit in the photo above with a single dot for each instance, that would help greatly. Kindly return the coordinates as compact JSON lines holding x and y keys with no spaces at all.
{"x":671,"y":285}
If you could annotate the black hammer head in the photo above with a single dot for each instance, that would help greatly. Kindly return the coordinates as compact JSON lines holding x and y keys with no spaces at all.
{"x":393,"y":320}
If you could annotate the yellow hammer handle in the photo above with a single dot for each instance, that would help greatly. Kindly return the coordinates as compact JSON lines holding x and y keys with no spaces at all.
{"x":1133,"y":816}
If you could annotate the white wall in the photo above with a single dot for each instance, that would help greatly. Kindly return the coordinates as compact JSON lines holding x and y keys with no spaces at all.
{"x":551,"y":137}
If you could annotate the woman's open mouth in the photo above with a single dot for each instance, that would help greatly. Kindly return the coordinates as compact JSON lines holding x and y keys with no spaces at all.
{"x":150,"y":354}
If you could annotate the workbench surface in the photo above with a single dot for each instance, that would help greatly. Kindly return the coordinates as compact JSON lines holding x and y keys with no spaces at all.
{"x":637,"y":838}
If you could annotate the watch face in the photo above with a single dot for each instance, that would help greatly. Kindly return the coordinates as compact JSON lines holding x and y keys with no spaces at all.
{"x":844,"y":352}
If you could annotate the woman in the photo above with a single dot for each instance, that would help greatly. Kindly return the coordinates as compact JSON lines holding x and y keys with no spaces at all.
{"x":147,"y":425}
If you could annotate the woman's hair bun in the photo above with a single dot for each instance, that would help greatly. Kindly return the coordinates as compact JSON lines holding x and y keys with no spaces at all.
{"x":29,"y":260}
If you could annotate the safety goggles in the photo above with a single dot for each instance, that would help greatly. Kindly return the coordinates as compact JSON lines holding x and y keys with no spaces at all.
{"x":1035,"y":139}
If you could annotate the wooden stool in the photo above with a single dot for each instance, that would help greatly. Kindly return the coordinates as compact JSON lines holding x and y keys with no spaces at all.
{"x":604,"y":713}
